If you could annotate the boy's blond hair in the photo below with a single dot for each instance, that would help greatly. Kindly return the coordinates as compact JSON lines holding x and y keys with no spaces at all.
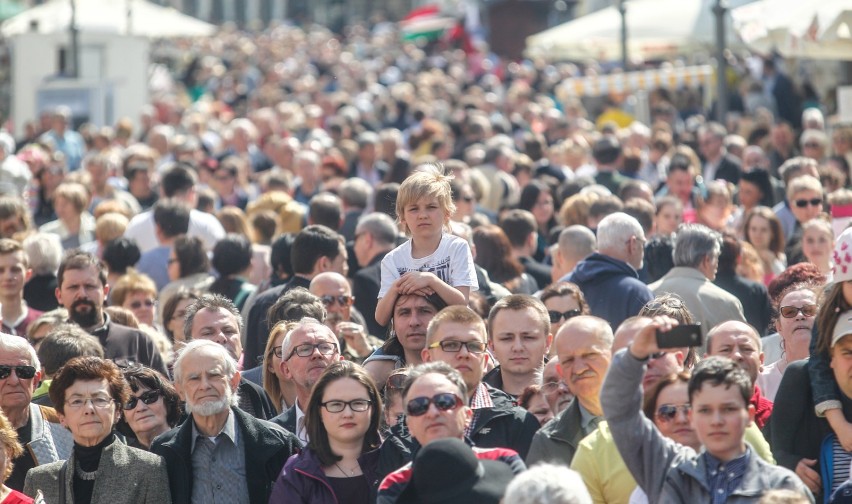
{"x":427,"y":181}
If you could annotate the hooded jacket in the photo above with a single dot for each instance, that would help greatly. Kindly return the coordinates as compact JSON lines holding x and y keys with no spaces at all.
{"x":611,"y":287}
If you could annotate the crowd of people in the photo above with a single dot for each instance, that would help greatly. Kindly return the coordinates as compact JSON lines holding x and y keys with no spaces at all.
{"x":349,"y":270}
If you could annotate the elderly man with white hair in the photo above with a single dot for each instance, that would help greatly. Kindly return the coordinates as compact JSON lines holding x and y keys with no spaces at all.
{"x":38,"y":427}
{"x":220,"y":453}
{"x":608,"y":277}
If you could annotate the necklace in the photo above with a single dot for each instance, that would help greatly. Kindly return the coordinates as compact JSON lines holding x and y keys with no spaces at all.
{"x":84,"y":475}
{"x":350,"y":473}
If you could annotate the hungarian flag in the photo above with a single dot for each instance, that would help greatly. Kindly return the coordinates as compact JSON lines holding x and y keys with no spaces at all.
{"x":425,"y":23}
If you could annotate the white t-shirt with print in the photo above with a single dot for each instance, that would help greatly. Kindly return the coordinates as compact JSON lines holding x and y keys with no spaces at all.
{"x":452,"y":262}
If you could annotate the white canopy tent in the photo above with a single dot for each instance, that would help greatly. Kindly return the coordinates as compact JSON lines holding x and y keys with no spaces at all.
{"x":797,"y":29}
{"x":125,"y":17}
{"x":655,"y":29}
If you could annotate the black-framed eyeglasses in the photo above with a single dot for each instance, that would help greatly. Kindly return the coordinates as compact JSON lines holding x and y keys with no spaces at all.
{"x":444,"y":402}
{"x":475,"y":347}
{"x":668,"y":412}
{"x":342,"y":300}
{"x":149,"y":397}
{"x":803,"y":203}
{"x":356,"y":405}
{"x":307,"y":349}
{"x":809,"y":310}
{"x":278,"y":352}
{"x":556,"y":316}
{"x":23,"y":372}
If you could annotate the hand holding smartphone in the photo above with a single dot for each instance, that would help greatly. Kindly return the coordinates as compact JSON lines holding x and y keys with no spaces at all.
{"x":687,"y":335}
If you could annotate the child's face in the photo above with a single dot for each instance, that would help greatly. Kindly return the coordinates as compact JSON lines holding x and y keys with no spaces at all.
{"x":817,"y":245}
{"x":720,"y":417}
{"x":424,"y":218}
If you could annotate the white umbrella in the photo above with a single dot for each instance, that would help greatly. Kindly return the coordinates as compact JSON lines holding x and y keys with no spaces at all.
{"x":796,"y":28}
{"x":107,"y":16}
{"x":655,"y":29}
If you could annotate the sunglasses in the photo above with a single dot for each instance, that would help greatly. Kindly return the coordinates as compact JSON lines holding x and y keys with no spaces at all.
{"x":475,"y":347}
{"x":148,"y":303}
{"x":23,"y":372}
{"x":342,"y":300}
{"x":809,"y":310}
{"x":444,"y":402}
{"x":149,"y":397}
{"x":803,"y":203}
{"x":556,"y":316}
{"x":668,"y":412}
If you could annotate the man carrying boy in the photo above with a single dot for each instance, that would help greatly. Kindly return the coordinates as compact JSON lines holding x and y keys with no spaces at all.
{"x":719,"y":392}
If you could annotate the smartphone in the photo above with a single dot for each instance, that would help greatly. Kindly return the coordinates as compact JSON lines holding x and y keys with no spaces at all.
{"x":687,"y":335}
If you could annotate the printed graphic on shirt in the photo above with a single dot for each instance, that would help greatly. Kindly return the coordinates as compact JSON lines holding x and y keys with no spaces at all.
{"x":441,"y":269}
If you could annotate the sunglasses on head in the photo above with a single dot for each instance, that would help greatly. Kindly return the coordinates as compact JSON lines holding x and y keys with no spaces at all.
{"x":556,"y":316}
{"x":23,"y":372}
{"x":803,"y":203}
{"x":396,"y":381}
{"x":149,"y":397}
{"x":809,"y":310}
{"x":668,"y":412}
{"x":444,"y":402}
{"x":342,"y":300}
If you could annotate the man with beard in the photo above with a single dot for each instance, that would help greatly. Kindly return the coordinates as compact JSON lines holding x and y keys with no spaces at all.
{"x":343,"y":319}
{"x":82,"y":289}
{"x":305,"y":353}
{"x":220,"y":454}
{"x":214,"y":317}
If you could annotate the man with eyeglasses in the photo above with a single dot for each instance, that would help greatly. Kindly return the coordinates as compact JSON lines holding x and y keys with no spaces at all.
{"x":82,"y":289}
{"x":554,"y":388}
{"x":343,"y":319}
{"x":214,"y":317}
{"x":220,"y":453}
{"x":435,"y":409}
{"x":609,"y":278}
{"x":457,"y":336}
{"x":44,"y":439}
{"x":519,"y":338}
{"x":305,"y":353}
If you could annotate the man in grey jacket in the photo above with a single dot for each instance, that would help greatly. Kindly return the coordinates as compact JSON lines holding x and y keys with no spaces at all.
{"x":727,"y":470}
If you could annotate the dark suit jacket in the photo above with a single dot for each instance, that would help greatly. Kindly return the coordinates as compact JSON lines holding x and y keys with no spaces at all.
{"x":125,"y":345}
{"x":254,"y":400}
{"x":287,"y":419}
{"x":365,"y":287}
{"x":729,"y":169}
{"x":754,"y":297}
{"x":257,"y":328}
{"x":267,"y":447}
{"x":540,"y":272}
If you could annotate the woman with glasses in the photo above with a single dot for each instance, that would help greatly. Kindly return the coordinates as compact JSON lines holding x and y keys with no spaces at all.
{"x":339,"y":463}
{"x":797,"y":309}
{"x":563,"y":300}
{"x":667,"y":406}
{"x":88,"y":393}
{"x":153,"y":406}
{"x":138,"y":293}
{"x":281,"y":391}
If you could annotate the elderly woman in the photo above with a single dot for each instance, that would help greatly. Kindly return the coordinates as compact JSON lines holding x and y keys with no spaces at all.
{"x":74,"y":225}
{"x":87,"y":392}
{"x":12,"y":449}
{"x":153,"y":407}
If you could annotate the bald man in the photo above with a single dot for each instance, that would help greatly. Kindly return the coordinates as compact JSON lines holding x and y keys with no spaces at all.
{"x":583,"y":349}
{"x":343,"y":319}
